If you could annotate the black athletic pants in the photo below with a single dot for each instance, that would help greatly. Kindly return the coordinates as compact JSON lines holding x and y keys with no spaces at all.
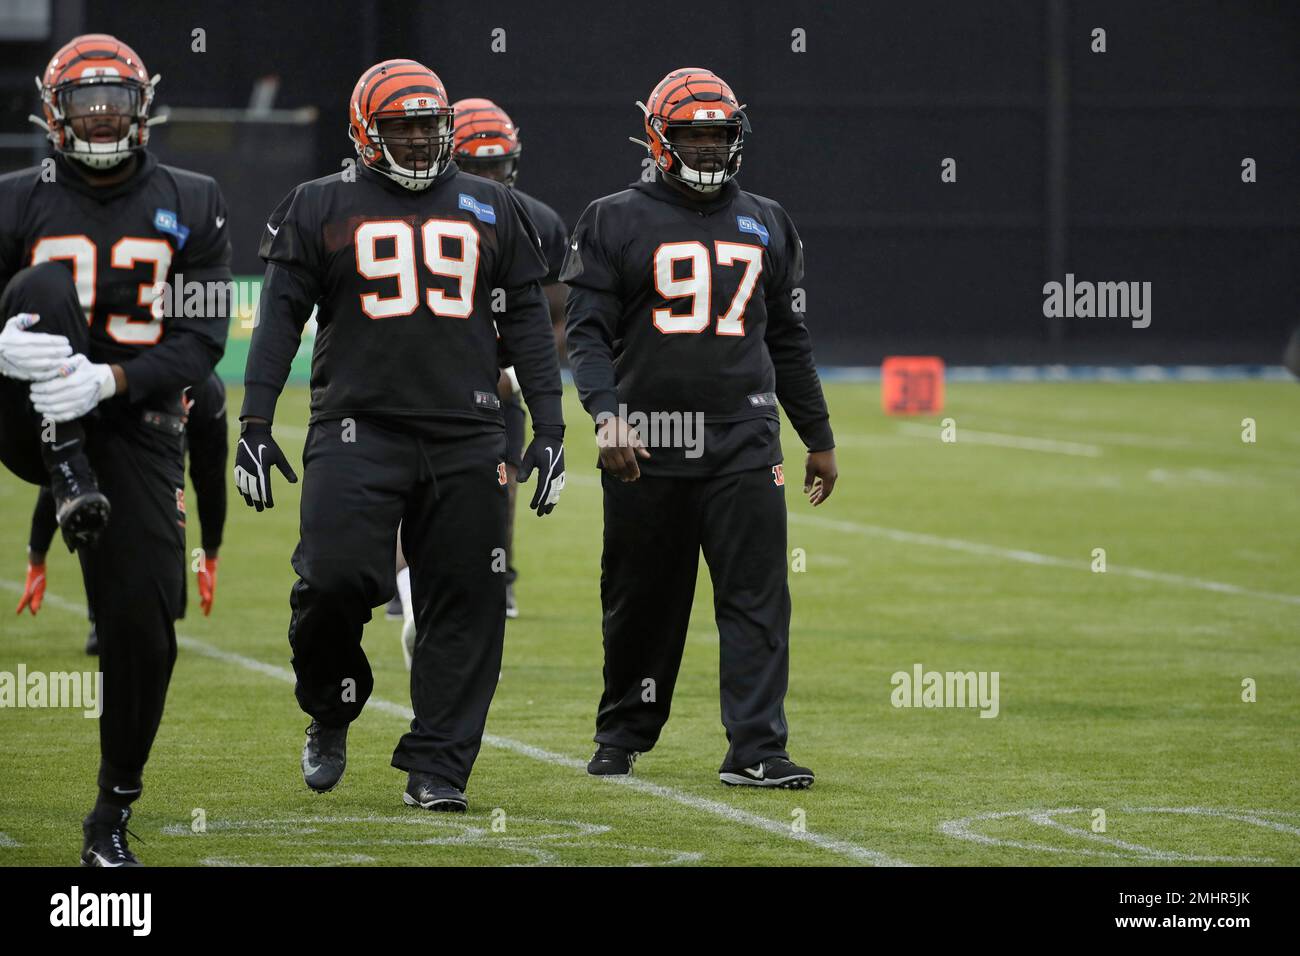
{"x":450,"y":498}
{"x":655,"y":529}
{"x":135,"y":575}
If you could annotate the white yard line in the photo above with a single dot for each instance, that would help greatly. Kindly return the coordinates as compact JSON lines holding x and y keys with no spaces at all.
{"x":963,"y":830}
{"x":1253,"y":817}
{"x":1047,"y":818}
{"x":732,"y":814}
{"x":969,"y":436}
{"x":901,"y":536}
{"x":1033,"y":557}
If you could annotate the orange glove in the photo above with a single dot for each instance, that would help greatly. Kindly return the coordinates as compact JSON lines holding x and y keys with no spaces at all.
{"x":207,"y":576}
{"x":34,"y":590}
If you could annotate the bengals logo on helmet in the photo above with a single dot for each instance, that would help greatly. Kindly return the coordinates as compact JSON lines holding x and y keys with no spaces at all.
{"x":99,"y":76}
{"x":486,"y":140}
{"x":396,"y":89}
{"x":693,"y":97}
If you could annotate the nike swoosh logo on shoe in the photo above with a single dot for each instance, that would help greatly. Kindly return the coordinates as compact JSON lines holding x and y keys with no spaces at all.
{"x":756,"y":774}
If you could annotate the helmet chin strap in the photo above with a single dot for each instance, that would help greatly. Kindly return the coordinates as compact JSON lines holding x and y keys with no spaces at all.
{"x":408,"y":177}
{"x":697,"y":180}
{"x":85,"y":153}
{"x":405,"y":177}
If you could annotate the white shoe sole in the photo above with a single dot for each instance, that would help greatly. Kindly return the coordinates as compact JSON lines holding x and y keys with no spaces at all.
{"x":799,"y":781}
{"x":445,"y":805}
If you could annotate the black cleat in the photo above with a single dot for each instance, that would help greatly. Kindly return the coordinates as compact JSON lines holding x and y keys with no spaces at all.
{"x":611,"y":761}
{"x":393,"y":610}
{"x":105,"y":838}
{"x":92,"y":641}
{"x":324,"y":756}
{"x":433,"y":793}
{"x":81,"y":509}
{"x":772,"y":772}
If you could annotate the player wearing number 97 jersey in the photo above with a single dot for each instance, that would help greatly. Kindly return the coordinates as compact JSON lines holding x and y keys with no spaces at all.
{"x":87,"y":241}
{"x":414,"y":267}
{"x":681,"y":311}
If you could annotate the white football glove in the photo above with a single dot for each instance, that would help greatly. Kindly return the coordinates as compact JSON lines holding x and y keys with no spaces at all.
{"x":545,"y":454}
{"x":78,"y":387}
{"x":30,"y":356}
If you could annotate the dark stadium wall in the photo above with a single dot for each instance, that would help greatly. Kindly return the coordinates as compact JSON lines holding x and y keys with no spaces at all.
{"x":1117,"y":166}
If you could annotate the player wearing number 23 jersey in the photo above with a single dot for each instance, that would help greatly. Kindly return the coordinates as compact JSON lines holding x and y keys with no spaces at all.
{"x":120,"y":243}
{"x":89,"y":242}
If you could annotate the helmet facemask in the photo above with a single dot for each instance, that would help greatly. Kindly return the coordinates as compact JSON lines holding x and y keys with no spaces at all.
{"x":696,"y":162}
{"x":410,"y":146}
{"x":99,"y":123}
{"x":500,"y":166}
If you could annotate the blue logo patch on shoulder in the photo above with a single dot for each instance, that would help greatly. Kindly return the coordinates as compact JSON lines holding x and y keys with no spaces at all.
{"x":750,"y":224}
{"x":482,"y":210}
{"x":166,"y":221}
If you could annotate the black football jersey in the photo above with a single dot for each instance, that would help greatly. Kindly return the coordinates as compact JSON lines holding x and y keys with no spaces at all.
{"x":679,"y":306}
{"x":551,"y":232}
{"x":160,"y":225}
{"x":411,"y":289}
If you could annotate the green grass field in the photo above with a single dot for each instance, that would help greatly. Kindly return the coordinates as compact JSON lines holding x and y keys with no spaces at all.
{"x":1120,"y":691}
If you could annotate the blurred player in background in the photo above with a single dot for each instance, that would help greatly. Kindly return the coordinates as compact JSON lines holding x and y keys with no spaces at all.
{"x":93,"y":372}
{"x":486,"y":143}
{"x":207,"y":443}
{"x":681,"y":302}
{"x":404,"y":260}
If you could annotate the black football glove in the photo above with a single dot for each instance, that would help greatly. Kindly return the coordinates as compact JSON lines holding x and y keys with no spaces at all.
{"x":546,"y":454}
{"x":257,"y":453}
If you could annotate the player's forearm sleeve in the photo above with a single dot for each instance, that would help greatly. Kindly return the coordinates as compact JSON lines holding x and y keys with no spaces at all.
{"x":590,"y":316}
{"x":798,"y":387}
{"x":282,"y":310}
{"x":209,"y":448}
{"x":529,"y":345}
{"x":44,"y":522}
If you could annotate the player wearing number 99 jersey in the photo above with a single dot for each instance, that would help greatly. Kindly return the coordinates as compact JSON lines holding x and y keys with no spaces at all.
{"x":414,"y":267}
{"x":87,"y":242}
{"x":681,"y":304}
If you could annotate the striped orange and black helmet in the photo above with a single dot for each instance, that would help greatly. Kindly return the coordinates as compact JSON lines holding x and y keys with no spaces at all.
{"x":695,"y":97}
{"x":395,"y":90}
{"x":96,"y":82}
{"x":487,"y":141}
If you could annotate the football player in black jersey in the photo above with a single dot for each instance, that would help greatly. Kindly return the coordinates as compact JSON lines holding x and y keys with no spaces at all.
{"x":681,"y":310}
{"x":92,"y":367}
{"x":206,"y":444}
{"x":415,"y":267}
{"x":487,"y":144}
